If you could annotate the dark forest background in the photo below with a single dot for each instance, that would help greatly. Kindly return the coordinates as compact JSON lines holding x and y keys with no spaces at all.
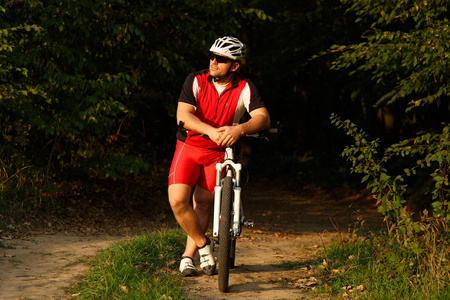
{"x":88,"y":89}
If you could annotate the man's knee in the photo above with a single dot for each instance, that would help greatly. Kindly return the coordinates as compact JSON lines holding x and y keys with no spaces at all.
{"x":179,"y":195}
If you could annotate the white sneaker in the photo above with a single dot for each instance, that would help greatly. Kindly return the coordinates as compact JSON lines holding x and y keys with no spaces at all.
{"x":207,"y":262}
{"x":187,"y":267}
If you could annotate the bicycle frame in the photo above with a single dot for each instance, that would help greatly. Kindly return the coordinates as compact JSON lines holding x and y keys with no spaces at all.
{"x":234,"y":170}
{"x":228,"y":214}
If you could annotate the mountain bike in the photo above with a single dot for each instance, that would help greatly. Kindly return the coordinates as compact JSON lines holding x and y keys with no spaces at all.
{"x":228,"y":216}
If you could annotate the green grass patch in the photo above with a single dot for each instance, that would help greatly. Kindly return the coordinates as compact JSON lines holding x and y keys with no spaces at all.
{"x":382,"y":267}
{"x":144,"y":267}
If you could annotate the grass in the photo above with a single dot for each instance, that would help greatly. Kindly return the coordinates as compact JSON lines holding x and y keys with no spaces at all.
{"x":384,"y":267}
{"x":18,"y":195}
{"x":144,"y":267}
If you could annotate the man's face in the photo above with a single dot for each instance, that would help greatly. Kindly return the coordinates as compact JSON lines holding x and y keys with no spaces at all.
{"x":219,"y":65}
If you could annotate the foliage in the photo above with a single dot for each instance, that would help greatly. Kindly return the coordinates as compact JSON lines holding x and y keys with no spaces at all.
{"x":84,"y":83}
{"x":62,"y":102}
{"x":390,"y":188}
{"x":139,"y":268}
{"x":378,"y":267}
{"x":405,"y":51}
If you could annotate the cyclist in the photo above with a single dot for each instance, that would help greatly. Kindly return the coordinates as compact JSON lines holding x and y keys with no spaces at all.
{"x":211,"y":104}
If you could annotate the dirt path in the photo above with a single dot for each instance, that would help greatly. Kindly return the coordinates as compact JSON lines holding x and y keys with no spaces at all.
{"x":290,"y":227}
{"x":260,"y":273}
{"x":39,"y":267}
{"x":274,"y":259}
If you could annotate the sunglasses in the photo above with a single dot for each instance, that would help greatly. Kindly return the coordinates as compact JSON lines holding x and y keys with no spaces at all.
{"x":220,"y":59}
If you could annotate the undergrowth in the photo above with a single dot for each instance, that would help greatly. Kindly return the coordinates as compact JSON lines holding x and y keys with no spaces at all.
{"x":18,"y":195}
{"x":141,"y":268}
{"x":379,"y":266}
{"x":27,"y":197}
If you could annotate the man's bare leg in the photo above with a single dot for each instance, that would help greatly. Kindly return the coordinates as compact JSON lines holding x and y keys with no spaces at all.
{"x":202,"y":203}
{"x":194,"y":222}
{"x":187,"y":218}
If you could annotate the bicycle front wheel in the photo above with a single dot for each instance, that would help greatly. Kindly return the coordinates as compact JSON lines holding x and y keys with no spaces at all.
{"x":232,"y":253}
{"x":225,"y":234}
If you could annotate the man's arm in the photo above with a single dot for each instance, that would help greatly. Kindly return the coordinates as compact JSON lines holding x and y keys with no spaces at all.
{"x":186,"y":113}
{"x":259,"y":120}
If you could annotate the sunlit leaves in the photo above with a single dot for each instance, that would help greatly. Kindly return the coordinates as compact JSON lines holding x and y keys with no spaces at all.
{"x":382,"y":13}
{"x":406,"y":50}
{"x":252,"y":12}
{"x":431,"y":153}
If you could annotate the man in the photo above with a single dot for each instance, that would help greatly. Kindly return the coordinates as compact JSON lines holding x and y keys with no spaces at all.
{"x":211,"y":104}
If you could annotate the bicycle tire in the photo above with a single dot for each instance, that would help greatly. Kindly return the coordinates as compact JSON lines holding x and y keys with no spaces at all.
{"x":232,"y":253}
{"x":225,"y":234}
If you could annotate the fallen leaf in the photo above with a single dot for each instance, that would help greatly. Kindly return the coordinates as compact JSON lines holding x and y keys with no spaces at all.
{"x":124,"y":288}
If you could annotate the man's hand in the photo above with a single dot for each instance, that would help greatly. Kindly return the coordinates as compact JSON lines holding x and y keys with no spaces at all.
{"x":224,"y":136}
{"x":228,"y":135}
{"x":214,"y":135}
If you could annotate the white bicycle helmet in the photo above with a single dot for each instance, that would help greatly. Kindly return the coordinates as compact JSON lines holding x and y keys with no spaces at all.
{"x":230,"y":47}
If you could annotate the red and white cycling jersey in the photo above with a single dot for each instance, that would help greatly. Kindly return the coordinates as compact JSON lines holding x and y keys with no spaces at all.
{"x":227,"y":109}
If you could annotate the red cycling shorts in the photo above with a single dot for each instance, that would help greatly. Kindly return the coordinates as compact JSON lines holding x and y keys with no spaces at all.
{"x":193,"y":165}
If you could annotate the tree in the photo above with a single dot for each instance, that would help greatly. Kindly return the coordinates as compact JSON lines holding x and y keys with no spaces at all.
{"x":406,"y":53}
{"x":83,"y":83}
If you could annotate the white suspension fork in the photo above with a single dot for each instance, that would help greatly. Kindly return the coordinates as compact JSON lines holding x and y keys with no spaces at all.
{"x":218,"y":192}
{"x":237,"y":211}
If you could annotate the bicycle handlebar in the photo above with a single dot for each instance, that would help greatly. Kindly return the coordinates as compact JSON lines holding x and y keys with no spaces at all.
{"x":254,"y":135}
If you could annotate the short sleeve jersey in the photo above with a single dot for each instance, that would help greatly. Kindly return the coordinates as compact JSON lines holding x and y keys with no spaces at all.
{"x":239,"y":96}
